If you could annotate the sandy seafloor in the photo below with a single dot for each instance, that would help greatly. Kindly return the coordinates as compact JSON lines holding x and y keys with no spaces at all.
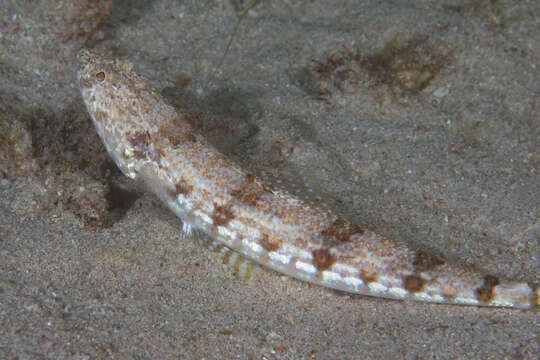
{"x":325,"y":96}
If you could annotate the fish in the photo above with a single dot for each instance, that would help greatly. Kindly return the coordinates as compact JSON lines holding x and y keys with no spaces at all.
{"x":149,"y":140}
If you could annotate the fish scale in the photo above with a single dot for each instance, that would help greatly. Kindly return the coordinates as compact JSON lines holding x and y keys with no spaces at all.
{"x":149,"y":140}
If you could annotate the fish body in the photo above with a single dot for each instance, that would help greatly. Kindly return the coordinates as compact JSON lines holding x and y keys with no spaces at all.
{"x":147,"y":138}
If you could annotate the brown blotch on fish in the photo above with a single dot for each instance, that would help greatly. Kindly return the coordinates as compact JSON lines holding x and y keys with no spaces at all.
{"x":269,"y":244}
{"x":341,"y":231}
{"x":368,"y":276}
{"x":323,"y":260}
{"x":139,"y":141}
{"x":251,"y":192}
{"x":485,"y":292}
{"x":181,"y":188}
{"x":221,"y":215}
{"x":424,"y":261}
{"x":413,"y":283}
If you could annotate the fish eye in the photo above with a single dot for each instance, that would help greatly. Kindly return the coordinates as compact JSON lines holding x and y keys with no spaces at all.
{"x":100,"y":76}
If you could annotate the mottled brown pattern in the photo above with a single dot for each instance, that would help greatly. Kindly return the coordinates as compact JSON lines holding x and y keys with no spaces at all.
{"x":251,"y":192}
{"x":323,"y":260}
{"x":485,"y":292}
{"x":209,"y":163}
{"x":341,"y":231}
{"x":424,"y":261}
{"x":148,"y":138}
{"x":177,"y":131}
{"x":221,"y":215}
{"x":270,"y":244}
{"x":368,"y":276}
{"x":177,"y":139}
{"x":449,"y":292}
{"x":413,"y":283}
{"x":139,"y":139}
{"x":181,"y":188}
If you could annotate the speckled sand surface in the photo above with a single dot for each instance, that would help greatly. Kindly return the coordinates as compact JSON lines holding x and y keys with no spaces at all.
{"x":92,"y":266}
